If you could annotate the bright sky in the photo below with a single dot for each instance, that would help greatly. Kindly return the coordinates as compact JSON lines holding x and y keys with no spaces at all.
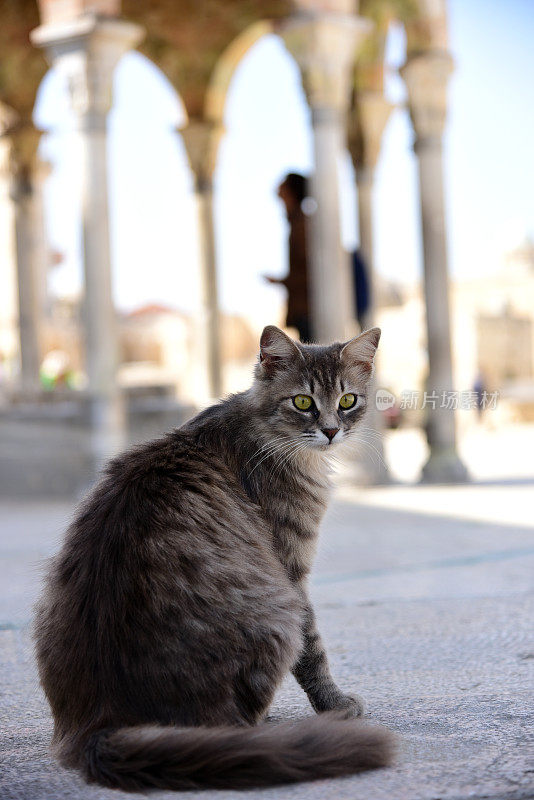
{"x":489,"y":169}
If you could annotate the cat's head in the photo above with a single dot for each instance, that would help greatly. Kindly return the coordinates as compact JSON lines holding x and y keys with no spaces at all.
{"x":311,"y":394}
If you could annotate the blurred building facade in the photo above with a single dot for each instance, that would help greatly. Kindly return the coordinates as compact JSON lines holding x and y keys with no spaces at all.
{"x":493,"y":340}
{"x":338,"y":46}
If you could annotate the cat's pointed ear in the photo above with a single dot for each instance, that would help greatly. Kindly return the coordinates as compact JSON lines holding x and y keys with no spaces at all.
{"x":361,"y":350}
{"x":276,"y":350}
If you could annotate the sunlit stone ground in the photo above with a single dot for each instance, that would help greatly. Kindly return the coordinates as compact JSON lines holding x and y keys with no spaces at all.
{"x":425,"y":600}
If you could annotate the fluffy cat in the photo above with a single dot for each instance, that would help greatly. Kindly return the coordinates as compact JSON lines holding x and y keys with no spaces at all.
{"x":178,"y":601}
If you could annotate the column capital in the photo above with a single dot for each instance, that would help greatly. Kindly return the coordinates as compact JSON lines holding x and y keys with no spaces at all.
{"x":9,"y":119}
{"x":426,"y":76}
{"x":325,"y":45}
{"x":367,"y":121}
{"x":202,"y":138}
{"x":87,"y":49}
{"x":59,"y":10}
{"x":22,"y":164}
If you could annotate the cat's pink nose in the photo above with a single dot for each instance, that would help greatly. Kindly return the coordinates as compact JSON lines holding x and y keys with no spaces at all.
{"x":330,"y":433}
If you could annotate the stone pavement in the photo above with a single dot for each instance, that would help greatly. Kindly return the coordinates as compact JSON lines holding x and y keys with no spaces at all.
{"x":425,"y":601}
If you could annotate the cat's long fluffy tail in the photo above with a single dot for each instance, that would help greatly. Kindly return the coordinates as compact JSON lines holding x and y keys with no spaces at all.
{"x":325,"y":746}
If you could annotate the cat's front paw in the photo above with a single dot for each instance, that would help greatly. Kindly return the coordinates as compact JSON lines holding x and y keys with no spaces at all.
{"x":350,"y":705}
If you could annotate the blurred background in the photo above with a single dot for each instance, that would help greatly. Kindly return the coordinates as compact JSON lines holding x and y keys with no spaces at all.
{"x":142,"y":149}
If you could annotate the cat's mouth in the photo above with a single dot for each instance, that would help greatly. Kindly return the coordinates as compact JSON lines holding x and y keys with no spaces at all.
{"x":325,"y":446}
{"x":324,"y":442}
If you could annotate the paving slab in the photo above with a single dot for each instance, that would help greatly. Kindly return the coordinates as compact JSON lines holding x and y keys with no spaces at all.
{"x":427,"y":615}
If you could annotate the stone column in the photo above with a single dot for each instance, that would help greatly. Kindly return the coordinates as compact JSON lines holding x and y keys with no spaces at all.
{"x":366,"y":126}
{"x":426,"y":76}
{"x":86,"y":50}
{"x":8,"y":280}
{"x":23,"y":175}
{"x":368,"y":120}
{"x":324,"y":46}
{"x":201,"y":138}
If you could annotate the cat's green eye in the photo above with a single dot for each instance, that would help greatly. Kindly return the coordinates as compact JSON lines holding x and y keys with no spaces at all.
{"x":302,"y":402}
{"x":347,"y":401}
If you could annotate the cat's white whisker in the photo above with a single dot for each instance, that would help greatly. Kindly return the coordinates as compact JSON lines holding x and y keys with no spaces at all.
{"x":266,"y":445}
{"x":285,"y":457}
{"x":372,"y":448}
{"x":369,"y":431}
{"x":274,"y":448}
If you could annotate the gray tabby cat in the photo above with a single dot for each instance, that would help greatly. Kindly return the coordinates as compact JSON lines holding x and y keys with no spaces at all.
{"x":178,"y":601}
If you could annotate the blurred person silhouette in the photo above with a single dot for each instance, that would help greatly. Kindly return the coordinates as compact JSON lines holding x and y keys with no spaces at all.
{"x":362,"y":290}
{"x":292,"y":191}
{"x":480,"y":390}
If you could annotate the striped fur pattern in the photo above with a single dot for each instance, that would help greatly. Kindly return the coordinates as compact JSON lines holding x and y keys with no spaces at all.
{"x":178,"y":601}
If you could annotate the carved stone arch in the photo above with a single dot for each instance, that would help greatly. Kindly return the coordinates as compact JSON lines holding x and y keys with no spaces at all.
{"x":227,"y":65}
{"x":187,"y":39}
{"x":425,"y":24}
{"x":167,"y":79}
{"x":197,"y":45}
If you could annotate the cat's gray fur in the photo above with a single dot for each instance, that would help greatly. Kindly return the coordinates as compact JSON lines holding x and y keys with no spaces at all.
{"x":178,"y":601}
